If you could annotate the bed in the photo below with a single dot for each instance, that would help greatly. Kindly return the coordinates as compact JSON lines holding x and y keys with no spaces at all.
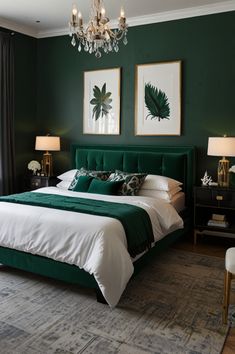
{"x":174,"y":162}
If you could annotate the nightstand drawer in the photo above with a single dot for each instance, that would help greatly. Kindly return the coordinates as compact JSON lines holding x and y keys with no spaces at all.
{"x":214,"y":211}
{"x":36,"y":182}
{"x":203,"y":196}
{"x":223,"y":198}
{"x":42,"y":181}
{"x":215,"y":197}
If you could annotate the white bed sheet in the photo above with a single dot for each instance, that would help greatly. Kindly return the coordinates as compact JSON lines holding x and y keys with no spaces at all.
{"x":96,"y":244}
{"x":178,"y":201}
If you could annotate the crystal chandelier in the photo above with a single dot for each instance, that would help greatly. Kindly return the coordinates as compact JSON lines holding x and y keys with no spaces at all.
{"x":98,"y":36}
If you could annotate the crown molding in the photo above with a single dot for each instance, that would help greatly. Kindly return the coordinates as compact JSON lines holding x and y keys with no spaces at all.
{"x":133,"y":21}
{"x":159,"y":17}
{"x":18,"y":28}
{"x":54,"y":33}
{"x":183,"y":13}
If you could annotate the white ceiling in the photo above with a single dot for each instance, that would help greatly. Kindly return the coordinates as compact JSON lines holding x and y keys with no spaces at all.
{"x":21,"y":15}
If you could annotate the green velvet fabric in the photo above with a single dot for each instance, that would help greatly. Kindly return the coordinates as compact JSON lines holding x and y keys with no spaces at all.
{"x":174,"y":162}
{"x":46,"y":266}
{"x":135,"y":220}
{"x":104,"y":187}
{"x":83,"y":183}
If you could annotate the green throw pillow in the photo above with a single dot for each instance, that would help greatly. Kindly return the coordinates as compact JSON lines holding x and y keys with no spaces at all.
{"x":104,"y":187}
{"x":103,"y":175}
{"x":83,"y":183}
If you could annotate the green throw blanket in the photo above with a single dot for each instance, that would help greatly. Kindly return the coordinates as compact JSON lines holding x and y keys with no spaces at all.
{"x":135,"y":220}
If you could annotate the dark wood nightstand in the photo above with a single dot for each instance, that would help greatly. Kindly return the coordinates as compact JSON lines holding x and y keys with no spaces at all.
{"x":42,"y":181}
{"x":214,"y":200}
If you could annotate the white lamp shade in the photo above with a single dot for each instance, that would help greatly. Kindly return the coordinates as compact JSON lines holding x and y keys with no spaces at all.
{"x":47,"y":143}
{"x":223,"y":146}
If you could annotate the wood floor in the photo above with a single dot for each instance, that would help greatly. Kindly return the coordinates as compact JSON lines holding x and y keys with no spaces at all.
{"x":213,"y":246}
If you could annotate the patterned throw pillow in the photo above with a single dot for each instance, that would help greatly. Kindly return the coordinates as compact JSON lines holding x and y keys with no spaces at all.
{"x":102,"y":175}
{"x":132,"y":181}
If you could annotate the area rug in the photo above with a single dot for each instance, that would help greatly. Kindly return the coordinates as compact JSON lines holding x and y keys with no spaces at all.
{"x":172,"y":306}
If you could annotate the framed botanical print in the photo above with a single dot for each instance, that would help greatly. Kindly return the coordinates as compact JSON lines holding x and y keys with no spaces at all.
{"x":101,"y":113}
{"x":158,"y":99}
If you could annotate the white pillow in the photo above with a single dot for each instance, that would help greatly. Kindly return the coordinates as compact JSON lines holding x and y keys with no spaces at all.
{"x":167,"y":196}
{"x":160,"y":183}
{"x":68,"y":176}
{"x":63,"y":184}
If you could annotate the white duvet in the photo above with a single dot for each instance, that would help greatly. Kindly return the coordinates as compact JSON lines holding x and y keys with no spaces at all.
{"x":94,"y":243}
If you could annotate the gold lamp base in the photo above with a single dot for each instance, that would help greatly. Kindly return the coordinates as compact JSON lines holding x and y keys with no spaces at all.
{"x":47,"y":164}
{"x":223,"y":172}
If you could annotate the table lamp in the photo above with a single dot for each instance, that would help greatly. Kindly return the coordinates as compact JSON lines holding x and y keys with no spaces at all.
{"x":223,"y":146}
{"x":47,"y":143}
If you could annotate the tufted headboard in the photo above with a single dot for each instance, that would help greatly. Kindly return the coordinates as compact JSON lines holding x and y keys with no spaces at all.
{"x":172,"y":161}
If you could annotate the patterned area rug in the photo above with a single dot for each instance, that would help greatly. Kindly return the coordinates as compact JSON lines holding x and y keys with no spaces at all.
{"x":172,"y":306}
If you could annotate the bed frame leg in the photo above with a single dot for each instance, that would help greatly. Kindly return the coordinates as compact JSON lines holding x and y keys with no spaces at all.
{"x":99,"y":297}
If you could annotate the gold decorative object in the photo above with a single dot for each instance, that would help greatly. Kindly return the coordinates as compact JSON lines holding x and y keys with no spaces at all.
{"x":223,"y":146}
{"x":223,"y":175}
{"x":47,"y":143}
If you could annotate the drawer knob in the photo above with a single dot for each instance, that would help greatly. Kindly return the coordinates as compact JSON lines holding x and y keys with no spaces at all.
{"x":219,"y":197}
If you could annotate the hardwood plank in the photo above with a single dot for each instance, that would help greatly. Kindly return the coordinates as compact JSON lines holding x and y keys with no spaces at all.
{"x":229,"y":346}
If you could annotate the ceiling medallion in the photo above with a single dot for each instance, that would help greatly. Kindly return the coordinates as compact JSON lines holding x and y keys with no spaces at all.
{"x":97,"y":36}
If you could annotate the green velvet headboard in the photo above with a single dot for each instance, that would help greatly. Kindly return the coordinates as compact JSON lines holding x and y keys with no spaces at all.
{"x":172,"y":161}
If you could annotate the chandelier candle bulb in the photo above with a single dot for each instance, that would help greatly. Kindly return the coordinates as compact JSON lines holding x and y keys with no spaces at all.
{"x":74,"y":16}
{"x":103,"y":12}
{"x":74,"y":10}
{"x":80,"y":22}
{"x":122,"y":15}
{"x":122,"y":12}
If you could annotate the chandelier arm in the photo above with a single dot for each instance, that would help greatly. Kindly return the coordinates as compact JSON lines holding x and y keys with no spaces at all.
{"x":79,"y":37}
{"x":117,"y":35}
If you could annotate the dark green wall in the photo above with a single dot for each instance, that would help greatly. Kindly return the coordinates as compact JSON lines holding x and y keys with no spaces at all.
{"x":206,"y":46}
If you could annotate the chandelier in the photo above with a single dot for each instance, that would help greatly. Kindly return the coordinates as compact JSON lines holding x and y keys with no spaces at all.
{"x":97,"y":36}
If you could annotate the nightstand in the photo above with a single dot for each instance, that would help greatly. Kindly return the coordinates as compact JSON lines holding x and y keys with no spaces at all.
{"x":42,"y":181}
{"x":214,"y":200}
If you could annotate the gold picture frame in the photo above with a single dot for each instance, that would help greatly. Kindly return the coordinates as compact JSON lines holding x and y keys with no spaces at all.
{"x":158,"y":98}
{"x":101,"y":112}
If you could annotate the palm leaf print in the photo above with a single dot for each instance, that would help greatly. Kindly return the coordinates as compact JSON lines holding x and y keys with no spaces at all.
{"x":156,"y":102}
{"x":101,"y":102}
